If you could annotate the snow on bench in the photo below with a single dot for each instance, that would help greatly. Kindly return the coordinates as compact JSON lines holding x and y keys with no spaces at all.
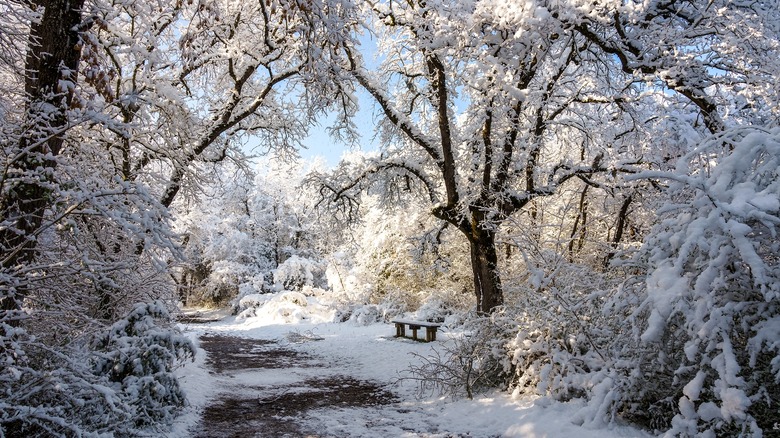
{"x":430,"y":328}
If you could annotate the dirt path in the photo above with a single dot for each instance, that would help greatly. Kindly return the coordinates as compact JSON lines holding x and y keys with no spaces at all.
{"x":275,"y":410}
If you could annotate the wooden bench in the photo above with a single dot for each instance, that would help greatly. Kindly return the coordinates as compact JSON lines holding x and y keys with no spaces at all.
{"x":430,"y":328}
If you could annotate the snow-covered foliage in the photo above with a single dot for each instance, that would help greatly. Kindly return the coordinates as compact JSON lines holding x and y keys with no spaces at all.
{"x":81,"y":243}
{"x":560,"y":333}
{"x":138,"y":355}
{"x":119,"y":383}
{"x":402,"y":261}
{"x":48,"y":392}
{"x":689,"y":346}
{"x":700,"y":351}
{"x":296,"y":272}
{"x":310,"y":305}
{"x":226,"y":249}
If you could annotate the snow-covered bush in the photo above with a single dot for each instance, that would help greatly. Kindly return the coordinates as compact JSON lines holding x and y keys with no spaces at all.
{"x":701,"y":346}
{"x":475,"y":362}
{"x":120,"y":384}
{"x":287,"y":307}
{"x":436,"y":309}
{"x":297,"y":272}
{"x":367,"y":314}
{"x":560,"y":334}
{"x":138,"y":356}
{"x":46,"y":392}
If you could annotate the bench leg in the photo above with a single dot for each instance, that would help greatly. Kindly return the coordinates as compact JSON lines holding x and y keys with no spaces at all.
{"x":430,"y":334}
{"x":400,"y":330}
{"x":414,"y":333}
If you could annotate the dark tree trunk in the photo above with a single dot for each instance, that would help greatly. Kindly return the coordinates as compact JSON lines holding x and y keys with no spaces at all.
{"x":484,"y":266}
{"x":620,"y":225}
{"x":579,"y":230}
{"x":51,"y":71}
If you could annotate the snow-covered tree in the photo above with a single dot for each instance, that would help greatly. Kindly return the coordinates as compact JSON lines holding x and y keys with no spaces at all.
{"x":252,"y":236}
{"x":31,"y":147}
{"x":71,"y":230}
{"x":488,"y":106}
{"x":397,"y":257}
{"x":491,"y":106}
{"x":494,"y":109}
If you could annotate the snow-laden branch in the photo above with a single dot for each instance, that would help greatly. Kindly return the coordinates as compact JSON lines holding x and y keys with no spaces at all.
{"x":396,"y":117}
{"x":344,"y":187}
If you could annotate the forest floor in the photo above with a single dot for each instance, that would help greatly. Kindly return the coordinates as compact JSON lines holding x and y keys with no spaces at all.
{"x":252,"y":378}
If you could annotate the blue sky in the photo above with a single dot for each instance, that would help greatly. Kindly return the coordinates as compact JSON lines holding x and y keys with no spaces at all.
{"x":320,"y":144}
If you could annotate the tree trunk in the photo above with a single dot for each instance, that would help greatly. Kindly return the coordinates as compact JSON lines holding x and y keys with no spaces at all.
{"x":51,"y":68}
{"x":484,"y":266}
{"x":579,"y":229}
{"x":620,"y":225}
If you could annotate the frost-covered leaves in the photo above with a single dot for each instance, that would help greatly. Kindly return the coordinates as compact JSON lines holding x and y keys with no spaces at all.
{"x":708,"y":325}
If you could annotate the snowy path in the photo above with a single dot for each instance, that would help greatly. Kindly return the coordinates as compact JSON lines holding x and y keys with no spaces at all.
{"x":277,"y":408}
{"x":340,"y":380}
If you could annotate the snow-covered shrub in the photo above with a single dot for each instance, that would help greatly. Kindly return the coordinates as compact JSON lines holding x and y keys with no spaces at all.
{"x":45,"y":392}
{"x":247,"y":305}
{"x":286,"y":307}
{"x":367,"y":314}
{"x":297,"y":272}
{"x":701,"y":350}
{"x":560,"y":333}
{"x":117,"y":385}
{"x":439,"y":305}
{"x":476,"y":362}
{"x":138,"y":355}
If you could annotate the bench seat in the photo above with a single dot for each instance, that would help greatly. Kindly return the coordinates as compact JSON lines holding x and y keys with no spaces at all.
{"x":430,"y":328}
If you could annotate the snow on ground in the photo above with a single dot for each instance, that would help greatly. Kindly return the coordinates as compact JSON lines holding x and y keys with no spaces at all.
{"x":372,"y":353}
